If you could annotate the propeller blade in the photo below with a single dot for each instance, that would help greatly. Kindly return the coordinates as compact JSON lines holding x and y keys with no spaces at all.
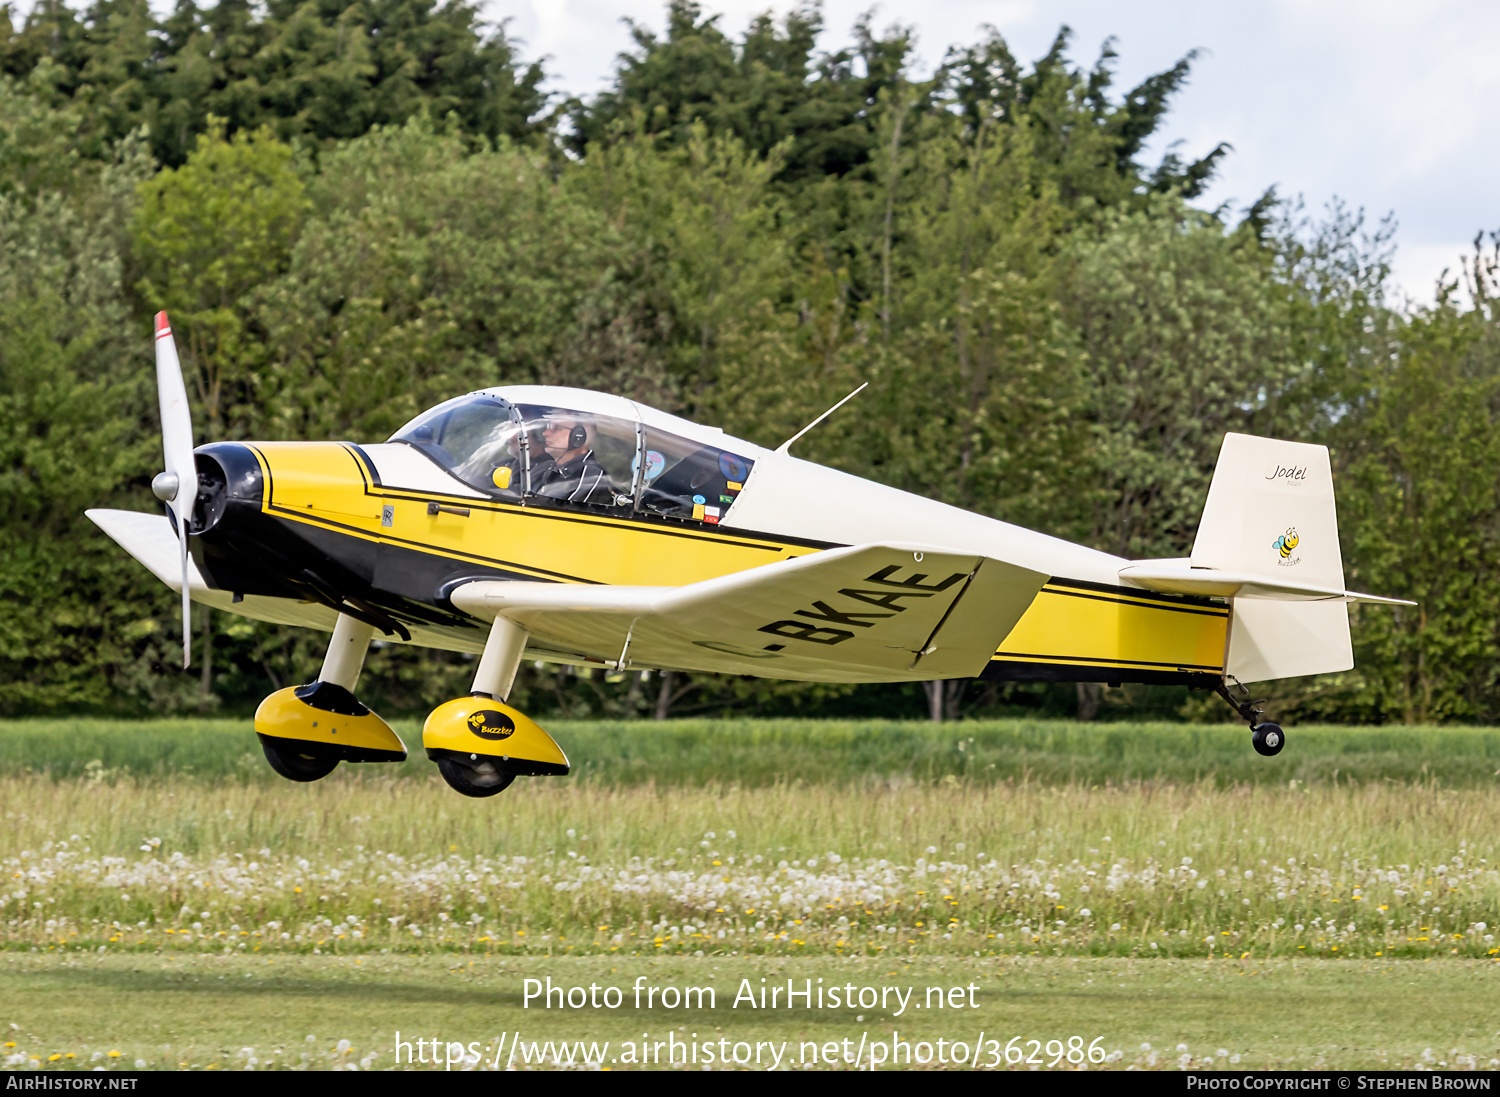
{"x":178,"y":485}
{"x":187,"y":609}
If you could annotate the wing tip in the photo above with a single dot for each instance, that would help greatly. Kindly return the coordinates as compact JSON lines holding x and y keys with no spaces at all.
{"x":163,"y":327}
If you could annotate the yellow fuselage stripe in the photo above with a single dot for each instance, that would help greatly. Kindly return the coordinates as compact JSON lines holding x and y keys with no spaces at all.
{"x":1086,"y":628}
{"x":328,"y":485}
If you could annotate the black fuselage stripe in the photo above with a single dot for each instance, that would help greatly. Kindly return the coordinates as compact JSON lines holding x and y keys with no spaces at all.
{"x":301,"y":517}
{"x":1094,"y":660}
{"x":367,"y":467}
{"x":751,"y":540}
{"x":740,"y":538}
{"x":1060,"y":672}
{"x":1135,"y":592}
{"x":1130,"y":601}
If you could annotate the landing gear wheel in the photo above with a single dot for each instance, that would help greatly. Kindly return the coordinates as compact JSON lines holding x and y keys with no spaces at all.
{"x":293,"y":762}
{"x":476,"y":779}
{"x":1268,"y":739}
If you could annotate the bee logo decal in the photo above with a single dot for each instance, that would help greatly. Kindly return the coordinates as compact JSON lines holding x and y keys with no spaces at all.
{"x":1286,"y":542}
{"x":489,"y":724}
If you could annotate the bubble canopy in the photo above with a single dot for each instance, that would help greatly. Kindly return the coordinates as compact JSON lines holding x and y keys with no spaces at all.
{"x":533,"y":445}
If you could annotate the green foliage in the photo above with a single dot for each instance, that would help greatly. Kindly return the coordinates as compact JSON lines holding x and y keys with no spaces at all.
{"x":1185,"y":335}
{"x":767,"y":92}
{"x":39,"y":145}
{"x":74,"y":388}
{"x":1423,"y":460}
{"x":313,"y":69}
{"x":427,"y":271}
{"x":204,"y":236}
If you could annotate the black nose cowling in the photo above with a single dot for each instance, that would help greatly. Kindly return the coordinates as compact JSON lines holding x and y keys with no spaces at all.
{"x":226,"y":514}
{"x":229,"y":480}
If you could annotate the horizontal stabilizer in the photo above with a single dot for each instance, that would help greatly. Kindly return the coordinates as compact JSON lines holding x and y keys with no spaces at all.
{"x":1212,"y":582}
{"x":868,"y":613}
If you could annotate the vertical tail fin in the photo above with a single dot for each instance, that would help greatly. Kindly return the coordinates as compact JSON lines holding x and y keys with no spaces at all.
{"x":1270,"y":511}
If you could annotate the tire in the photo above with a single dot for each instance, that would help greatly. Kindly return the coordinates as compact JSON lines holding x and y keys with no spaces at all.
{"x":472,"y":782}
{"x":292,"y":760}
{"x":1268,"y":739}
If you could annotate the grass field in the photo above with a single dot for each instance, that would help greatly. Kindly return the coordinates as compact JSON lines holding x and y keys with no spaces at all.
{"x":319,"y":1012}
{"x":758,"y":753}
{"x":170,"y":857}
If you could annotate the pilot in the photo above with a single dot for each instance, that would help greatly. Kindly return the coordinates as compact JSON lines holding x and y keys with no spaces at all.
{"x":508,"y":473}
{"x":573,"y":475}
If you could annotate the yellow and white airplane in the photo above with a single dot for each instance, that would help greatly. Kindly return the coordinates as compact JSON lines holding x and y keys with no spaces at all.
{"x":578,"y":527}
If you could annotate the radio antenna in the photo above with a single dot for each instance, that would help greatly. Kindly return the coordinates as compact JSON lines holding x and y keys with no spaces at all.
{"x":786,"y":446}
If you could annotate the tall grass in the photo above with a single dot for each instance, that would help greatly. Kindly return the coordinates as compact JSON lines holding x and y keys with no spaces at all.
{"x":954,"y":866}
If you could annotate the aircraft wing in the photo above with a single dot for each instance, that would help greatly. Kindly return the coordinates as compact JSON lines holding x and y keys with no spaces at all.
{"x":867,"y":613}
{"x":151,"y":540}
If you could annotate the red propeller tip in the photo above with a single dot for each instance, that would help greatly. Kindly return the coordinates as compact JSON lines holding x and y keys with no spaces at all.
{"x":162,"y":327}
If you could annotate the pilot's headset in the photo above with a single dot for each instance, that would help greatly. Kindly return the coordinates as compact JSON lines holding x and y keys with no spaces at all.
{"x":578,"y":436}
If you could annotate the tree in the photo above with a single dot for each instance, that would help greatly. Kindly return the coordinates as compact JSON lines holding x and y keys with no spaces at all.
{"x":1091,"y":140}
{"x":768,"y":90}
{"x":314,"y":69}
{"x":205,"y":235}
{"x":1185,"y":330}
{"x":1420,"y":512}
{"x":78,"y":624}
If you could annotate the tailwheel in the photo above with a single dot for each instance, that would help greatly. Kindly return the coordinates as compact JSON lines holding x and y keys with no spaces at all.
{"x":295,"y":761}
{"x":474,"y":776}
{"x":1268,"y":739}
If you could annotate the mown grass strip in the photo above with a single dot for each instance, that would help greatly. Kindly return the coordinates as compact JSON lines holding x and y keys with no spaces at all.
{"x":324,"y":1012}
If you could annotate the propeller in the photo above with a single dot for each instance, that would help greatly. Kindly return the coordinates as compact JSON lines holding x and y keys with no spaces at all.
{"x":178,"y":485}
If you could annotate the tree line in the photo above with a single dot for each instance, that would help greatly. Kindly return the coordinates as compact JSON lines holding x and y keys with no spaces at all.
{"x":353,"y":212}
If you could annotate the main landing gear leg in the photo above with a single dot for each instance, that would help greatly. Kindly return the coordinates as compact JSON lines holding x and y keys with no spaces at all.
{"x":1267,"y":738}
{"x":481,"y":744}
{"x":306,"y":731}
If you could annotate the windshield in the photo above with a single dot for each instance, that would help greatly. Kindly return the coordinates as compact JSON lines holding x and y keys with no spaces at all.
{"x":555,"y":456}
{"x":478,"y":439}
{"x":522,"y":451}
